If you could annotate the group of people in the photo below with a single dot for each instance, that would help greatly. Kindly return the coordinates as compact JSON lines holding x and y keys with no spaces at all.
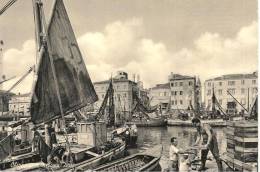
{"x":206,"y":141}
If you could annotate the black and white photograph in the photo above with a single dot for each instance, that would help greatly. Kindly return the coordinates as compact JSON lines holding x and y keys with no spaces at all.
{"x":129,"y":85}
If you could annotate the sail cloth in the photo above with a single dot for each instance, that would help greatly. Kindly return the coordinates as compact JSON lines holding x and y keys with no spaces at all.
{"x":111,"y":111}
{"x":43,"y":148}
{"x":141,"y":107}
{"x":6,"y":146}
{"x":74,"y":84}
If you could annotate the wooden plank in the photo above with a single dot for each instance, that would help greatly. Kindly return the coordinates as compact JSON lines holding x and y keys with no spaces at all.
{"x":247,"y":135}
{"x":242,"y":165}
{"x":248,"y":150}
{"x":246,"y":144}
{"x":250,"y":129}
{"x":246,"y":124}
{"x":246,"y":157}
{"x":242,"y":139}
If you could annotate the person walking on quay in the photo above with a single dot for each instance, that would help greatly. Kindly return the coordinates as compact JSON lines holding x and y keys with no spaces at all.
{"x":209,"y":141}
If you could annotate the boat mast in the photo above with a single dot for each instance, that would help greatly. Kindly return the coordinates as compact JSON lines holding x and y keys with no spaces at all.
{"x":42,"y":39}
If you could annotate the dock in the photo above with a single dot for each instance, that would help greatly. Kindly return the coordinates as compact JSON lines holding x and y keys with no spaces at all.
{"x":213,"y":123}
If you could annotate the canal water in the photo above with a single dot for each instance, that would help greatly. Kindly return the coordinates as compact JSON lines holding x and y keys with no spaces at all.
{"x":151,"y":136}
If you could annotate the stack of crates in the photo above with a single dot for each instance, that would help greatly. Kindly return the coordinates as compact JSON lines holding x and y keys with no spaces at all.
{"x":242,"y":143}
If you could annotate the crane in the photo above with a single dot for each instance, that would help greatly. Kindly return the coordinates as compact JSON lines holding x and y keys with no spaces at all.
{"x":6,"y":6}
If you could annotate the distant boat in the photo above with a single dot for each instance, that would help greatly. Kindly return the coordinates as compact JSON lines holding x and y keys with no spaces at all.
{"x":150,"y":122}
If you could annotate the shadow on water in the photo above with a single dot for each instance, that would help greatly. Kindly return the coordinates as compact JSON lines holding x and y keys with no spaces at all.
{"x":151,"y":136}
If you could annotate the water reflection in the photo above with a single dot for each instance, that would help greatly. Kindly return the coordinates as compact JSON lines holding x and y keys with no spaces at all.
{"x":148,"y":137}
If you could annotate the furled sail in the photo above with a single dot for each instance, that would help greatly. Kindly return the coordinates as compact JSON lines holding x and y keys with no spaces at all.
{"x":141,"y":107}
{"x":74,"y":84}
{"x":111,"y":112}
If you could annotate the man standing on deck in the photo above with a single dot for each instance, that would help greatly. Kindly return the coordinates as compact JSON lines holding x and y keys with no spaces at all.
{"x":209,"y":140}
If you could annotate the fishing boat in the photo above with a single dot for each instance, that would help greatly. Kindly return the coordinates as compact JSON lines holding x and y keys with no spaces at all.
{"x":149,"y":122}
{"x":145,"y":115}
{"x":62,"y":86}
{"x":146,"y":161}
{"x":129,"y":133}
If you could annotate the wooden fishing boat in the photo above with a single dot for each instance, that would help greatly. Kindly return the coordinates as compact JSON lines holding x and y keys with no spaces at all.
{"x":146,"y":161}
{"x":85,"y":157}
{"x":151,"y":122}
{"x":128,"y":133}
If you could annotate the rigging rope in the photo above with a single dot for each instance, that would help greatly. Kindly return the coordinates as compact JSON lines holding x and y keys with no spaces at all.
{"x":9,"y":4}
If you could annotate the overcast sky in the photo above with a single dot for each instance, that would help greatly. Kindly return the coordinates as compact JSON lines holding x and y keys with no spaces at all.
{"x":147,"y":37}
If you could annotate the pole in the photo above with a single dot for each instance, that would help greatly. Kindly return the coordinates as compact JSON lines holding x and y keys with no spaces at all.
{"x":48,"y":48}
{"x":248,"y":99}
{"x":237,"y":101}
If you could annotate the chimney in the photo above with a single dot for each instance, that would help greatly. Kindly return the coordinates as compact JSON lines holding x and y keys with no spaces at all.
{"x":134,"y":77}
{"x":138,"y":78}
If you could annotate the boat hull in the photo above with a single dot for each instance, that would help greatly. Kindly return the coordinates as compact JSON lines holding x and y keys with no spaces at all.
{"x":137,"y":162}
{"x":149,"y":123}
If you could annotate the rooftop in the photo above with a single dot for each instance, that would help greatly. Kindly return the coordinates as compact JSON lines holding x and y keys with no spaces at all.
{"x":179,"y":77}
{"x":235,"y":76}
{"x":162,"y":86}
{"x":114,"y":81}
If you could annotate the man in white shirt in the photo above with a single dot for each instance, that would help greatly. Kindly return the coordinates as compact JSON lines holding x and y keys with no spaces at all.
{"x":173,"y":154}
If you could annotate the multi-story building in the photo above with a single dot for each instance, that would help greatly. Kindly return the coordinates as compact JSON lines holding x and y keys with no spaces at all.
{"x":123,"y":92}
{"x":185,"y":92}
{"x":243,"y":87}
{"x":160,"y":95}
{"x":20,"y":104}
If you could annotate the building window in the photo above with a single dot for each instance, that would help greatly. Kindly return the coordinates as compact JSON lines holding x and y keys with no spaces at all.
{"x":176,"y":102}
{"x":242,"y":91}
{"x":172,"y":102}
{"x":209,"y":84}
{"x":103,"y":95}
{"x":242,"y":82}
{"x":231,"y":82}
{"x":172,"y":93}
{"x":180,"y":92}
{"x":180,"y":83}
{"x":219,"y":92}
{"x":171,"y":84}
{"x":181,"y":102}
{"x":176,"y":84}
{"x":165,"y":94}
{"x":190,"y":83}
{"x":220,"y":83}
{"x":175,"y":93}
{"x":254,"y":81}
{"x":209,"y":92}
{"x":125,"y":95}
{"x":232,"y":91}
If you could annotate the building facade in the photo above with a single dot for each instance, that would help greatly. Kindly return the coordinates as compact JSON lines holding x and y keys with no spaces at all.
{"x":160,"y":95}
{"x":123,"y":93}
{"x":185,"y":92}
{"x":243,"y":87}
{"x":20,"y":104}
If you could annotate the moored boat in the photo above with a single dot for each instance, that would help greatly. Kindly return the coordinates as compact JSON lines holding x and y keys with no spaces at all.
{"x":146,"y":161}
{"x":151,"y":122}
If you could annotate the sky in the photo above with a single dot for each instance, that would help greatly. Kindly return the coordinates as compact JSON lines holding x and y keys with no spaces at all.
{"x":151,"y":38}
